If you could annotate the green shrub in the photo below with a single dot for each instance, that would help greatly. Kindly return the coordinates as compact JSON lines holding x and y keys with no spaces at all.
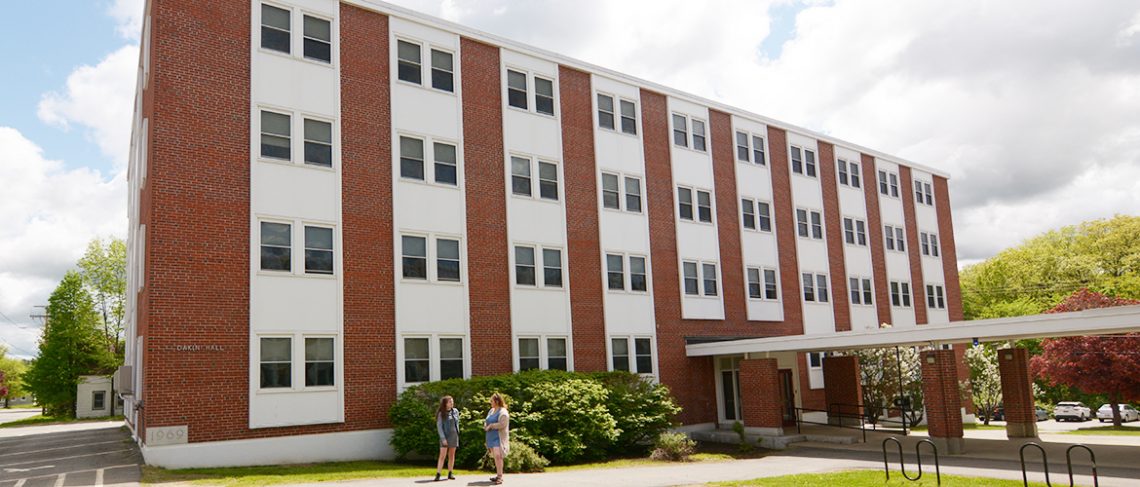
{"x":521,"y":459}
{"x":674,"y":447}
{"x":564,"y":416}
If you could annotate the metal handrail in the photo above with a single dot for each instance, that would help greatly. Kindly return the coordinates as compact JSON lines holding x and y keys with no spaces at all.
{"x":800,"y":421}
{"x":918,"y":460}
{"x":1069,"y":463}
{"x":904,"y":413}
{"x":1044,"y":463}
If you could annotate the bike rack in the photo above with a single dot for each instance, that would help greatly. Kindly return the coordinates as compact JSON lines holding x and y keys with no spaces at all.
{"x":918,"y":459}
{"x":1045,"y":463}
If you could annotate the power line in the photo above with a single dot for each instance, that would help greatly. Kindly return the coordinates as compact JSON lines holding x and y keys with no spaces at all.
{"x":18,"y":349}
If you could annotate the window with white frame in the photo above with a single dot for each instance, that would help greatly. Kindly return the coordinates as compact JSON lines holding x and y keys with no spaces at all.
{"x":318,"y":250}
{"x":757,"y":215}
{"x":861,"y":291}
{"x":543,"y":353}
{"x":413,"y":249}
{"x":275,"y":28}
{"x":895,"y":238}
{"x":519,"y":94}
{"x":446,"y":164}
{"x":524,"y":266}
{"x":444,"y":263}
{"x":413,"y":157}
{"x":750,"y":148}
{"x":935,"y":296}
{"x":417,"y":359}
{"x":443,"y":70}
{"x":529,"y":356}
{"x":615,"y":272}
{"x":316,"y":361}
{"x":447,"y":259}
{"x":556,"y":354}
{"x":699,"y":278}
{"x":527,"y":266}
{"x":889,"y":184}
{"x":611,"y":191}
{"x":685,"y":127}
{"x":708,"y":279}
{"x":423,"y":362}
{"x":523,"y":184}
{"x":762,"y":283}
{"x":703,"y":211}
{"x":276,"y":246}
{"x":626,"y":273}
{"x":317,"y":39}
{"x":98,"y":400}
{"x":849,"y":173}
{"x":809,"y":224}
{"x":409,"y":62}
{"x":632,"y":194}
{"x":450,"y":358}
{"x":803,"y":161}
{"x":551,"y":267}
{"x":815,"y":288}
{"x":276,"y":138}
{"x":900,"y":294}
{"x":318,"y":143}
{"x":319,"y":362}
{"x":637,"y":359}
{"x":276,"y":362}
{"x":690,"y":281}
{"x":923,"y":193}
{"x":815,"y":369}
{"x":617,"y":113}
{"x":411,"y":68}
{"x":855,"y":231}
{"x":929,"y":242}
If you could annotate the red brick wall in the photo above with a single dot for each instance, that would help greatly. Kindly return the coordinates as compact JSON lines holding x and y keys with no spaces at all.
{"x":842,"y":379}
{"x":785,"y":220}
{"x":484,"y":172}
{"x":728,"y":217}
{"x":760,"y":403}
{"x":809,"y":398}
{"x":366,"y":175}
{"x":833,"y":218}
{"x":948,"y":248}
{"x":1016,"y":385}
{"x":940,"y":394}
{"x":875,"y":235}
{"x":582,"y":232}
{"x":917,"y":285}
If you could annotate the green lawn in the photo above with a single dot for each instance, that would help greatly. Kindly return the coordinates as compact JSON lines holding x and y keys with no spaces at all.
{"x":967,"y":426}
{"x":870,"y":478}
{"x":1106,"y":431}
{"x":24,"y":406}
{"x":40,"y":420}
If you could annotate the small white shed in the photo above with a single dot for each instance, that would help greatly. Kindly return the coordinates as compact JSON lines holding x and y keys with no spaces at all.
{"x":94,"y":397}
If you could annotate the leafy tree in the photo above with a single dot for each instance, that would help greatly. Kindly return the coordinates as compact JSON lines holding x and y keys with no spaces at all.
{"x":71,"y":346}
{"x":104,"y":271}
{"x":1099,"y":364}
{"x":12,"y":372}
{"x":881,"y":370}
{"x":984,"y":385}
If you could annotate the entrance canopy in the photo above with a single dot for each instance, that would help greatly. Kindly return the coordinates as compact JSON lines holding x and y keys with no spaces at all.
{"x":1103,"y":321}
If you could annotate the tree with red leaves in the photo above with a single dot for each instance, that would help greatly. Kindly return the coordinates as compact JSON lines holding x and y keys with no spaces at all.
{"x":1095,"y":364}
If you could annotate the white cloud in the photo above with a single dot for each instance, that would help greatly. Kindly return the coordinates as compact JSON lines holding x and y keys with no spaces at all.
{"x":101,"y":99}
{"x":129,"y":15}
{"x":47,"y":216}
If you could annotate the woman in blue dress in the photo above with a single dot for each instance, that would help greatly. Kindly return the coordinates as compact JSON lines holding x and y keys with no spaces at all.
{"x":497,"y":426}
{"x":447,"y":425}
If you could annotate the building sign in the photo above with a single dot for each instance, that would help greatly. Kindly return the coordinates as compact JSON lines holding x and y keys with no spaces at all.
{"x":166,"y":435}
{"x":199,"y":348}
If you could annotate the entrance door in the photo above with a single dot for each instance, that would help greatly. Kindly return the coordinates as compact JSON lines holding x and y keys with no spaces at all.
{"x":728,"y":379}
{"x":788,"y":397}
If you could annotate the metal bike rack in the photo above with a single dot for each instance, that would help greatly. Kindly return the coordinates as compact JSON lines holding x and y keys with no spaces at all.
{"x":1045,"y":463}
{"x":918,"y":459}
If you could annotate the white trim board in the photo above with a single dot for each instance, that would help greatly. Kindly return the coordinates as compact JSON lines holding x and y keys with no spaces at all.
{"x":326,"y":447}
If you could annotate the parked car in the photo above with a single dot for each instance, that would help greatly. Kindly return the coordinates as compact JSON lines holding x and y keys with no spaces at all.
{"x":1072,"y":411}
{"x":1042,"y":414}
{"x":999,"y":413}
{"x":1127,"y":413}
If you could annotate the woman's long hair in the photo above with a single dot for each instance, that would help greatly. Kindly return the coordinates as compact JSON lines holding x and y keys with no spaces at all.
{"x":442,"y":412}
{"x":497,"y":398}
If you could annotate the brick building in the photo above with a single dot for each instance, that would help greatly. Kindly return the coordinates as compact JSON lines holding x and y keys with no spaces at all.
{"x":330,"y":201}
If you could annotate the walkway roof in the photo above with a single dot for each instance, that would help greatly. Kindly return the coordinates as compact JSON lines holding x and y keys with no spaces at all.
{"x":1103,"y":321}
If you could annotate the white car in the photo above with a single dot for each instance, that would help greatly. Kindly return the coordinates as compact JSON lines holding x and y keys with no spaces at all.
{"x":1072,"y":411}
{"x":1127,"y":413}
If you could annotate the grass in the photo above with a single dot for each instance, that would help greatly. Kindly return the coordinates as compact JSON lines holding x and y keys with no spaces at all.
{"x":870,"y":478}
{"x":40,"y":420}
{"x":1106,"y":431}
{"x":24,"y":406}
{"x":967,"y":426}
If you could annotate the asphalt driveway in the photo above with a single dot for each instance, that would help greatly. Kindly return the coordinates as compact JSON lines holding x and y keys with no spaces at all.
{"x":90,"y":454}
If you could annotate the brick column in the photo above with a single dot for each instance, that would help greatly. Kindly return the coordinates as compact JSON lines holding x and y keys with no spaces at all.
{"x":943,"y":402}
{"x":760,"y":396}
{"x":1017,"y":393}
{"x":842,"y":389}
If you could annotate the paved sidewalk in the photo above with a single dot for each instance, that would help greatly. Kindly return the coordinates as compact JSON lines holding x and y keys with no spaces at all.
{"x":77,"y":454}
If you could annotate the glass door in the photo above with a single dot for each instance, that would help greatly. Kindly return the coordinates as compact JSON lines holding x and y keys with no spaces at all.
{"x":728,"y":382}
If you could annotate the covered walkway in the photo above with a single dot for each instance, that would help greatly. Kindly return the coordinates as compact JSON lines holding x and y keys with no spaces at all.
{"x":765,"y":413}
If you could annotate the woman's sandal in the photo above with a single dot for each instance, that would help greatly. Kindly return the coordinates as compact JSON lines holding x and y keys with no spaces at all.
{"x":497,"y":480}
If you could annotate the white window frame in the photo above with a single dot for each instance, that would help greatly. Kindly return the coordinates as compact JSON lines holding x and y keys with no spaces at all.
{"x":426,"y":68}
{"x":297,"y":247}
{"x":543,"y":350}
{"x":923,"y":193}
{"x":902,"y":296}
{"x":896,"y":241}
{"x":623,"y":193}
{"x":888,"y":183}
{"x":531,"y":91}
{"x":297,"y":42}
{"x":763,"y":282}
{"x":297,"y":362}
{"x":811,"y":226}
{"x":539,"y":265}
{"x":631,"y":347}
{"x":429,"y":159}
{"x":432,"y":256}
{"x":849,"y":170}
{"x":929,"y":244}
{"x":806,"y":170}
{"x":702,"y":290}
{"x":815,"y":372}
{"x":535,"y":164}
{"x":750,"y":147}
{"x":757,"y":217}
{"x":935,"y":296}
{"x":695,"y":200}
{"x":297,"y":138}
{"x":619,"y":126}
{"x":857,"y":231}
{"x":689,"y":131}
{"x":626,"y":271}
{"x":864,"y":289}
{"x":816,"y":279}
{"x":434,"y":366}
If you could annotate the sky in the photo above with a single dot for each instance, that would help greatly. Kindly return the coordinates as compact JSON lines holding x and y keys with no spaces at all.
{"x":1032,"y":106}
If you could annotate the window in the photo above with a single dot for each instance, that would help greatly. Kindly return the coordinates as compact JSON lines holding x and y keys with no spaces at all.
{"x":615,"y":272}
{"x":450,"y":358}
{"x":551,"y":267}
{"x":849,"y":173}
{"x":637,"y":274}
{"x":409,"y":62}
{"x":620,"y":349}
{"x":417,"y":360}
{"x":895,"y":238}
{"x":446,"y":168}
{"x":803,"y":161}
{"x":516,"y":89}
{"x":628,"y":117}
{"x":442,"y":71}
{"x":748,"y":209}
{"x":708,"y":272}
{"x":414,"y":251}
{"x":900,"y":294}
{"x":543,"y":95}
{"x":680,"y":130}
{"x":704,"y":206}
{"x":606,"y":115}
{"x":276,"y":246}
{"x":761,"y":283}
{"x":520,"y":176}
{"x":642,"y":356}
{"x":855,"y":231}
{"x":556,"y":353}
{"x":318,"y":250}
{"x":698,"y":135}
{"x":889,"y":184}
{"x":685,"y":203}
{"x":757,"y":215}
{"x":935,"y":297}
{"x":447,"y":259}
{"x":318,"y":39}
{"x":528,"y":354}
{"x":318,"y":143}
{"x":809,"y":224}
{"x":411,"y":158}
{"x":524,"y":266}
{"x":276,"y":362}
{"x":815,"y":287}
{"x":643,"y":352}
{"x":548,"y":181}
{"x":861,"y":292}
{"x":275,"y":28}
{"x":753,"y":153}
{"x":929,"y":243}
{"x":611,"y":195}
{"x":692,"y":284}
{"x":275,"y":135}
{"x":319,"y":362}
{"x":98,"y":400}
{"x":923,"y":194}
{"x":633,"y":194}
